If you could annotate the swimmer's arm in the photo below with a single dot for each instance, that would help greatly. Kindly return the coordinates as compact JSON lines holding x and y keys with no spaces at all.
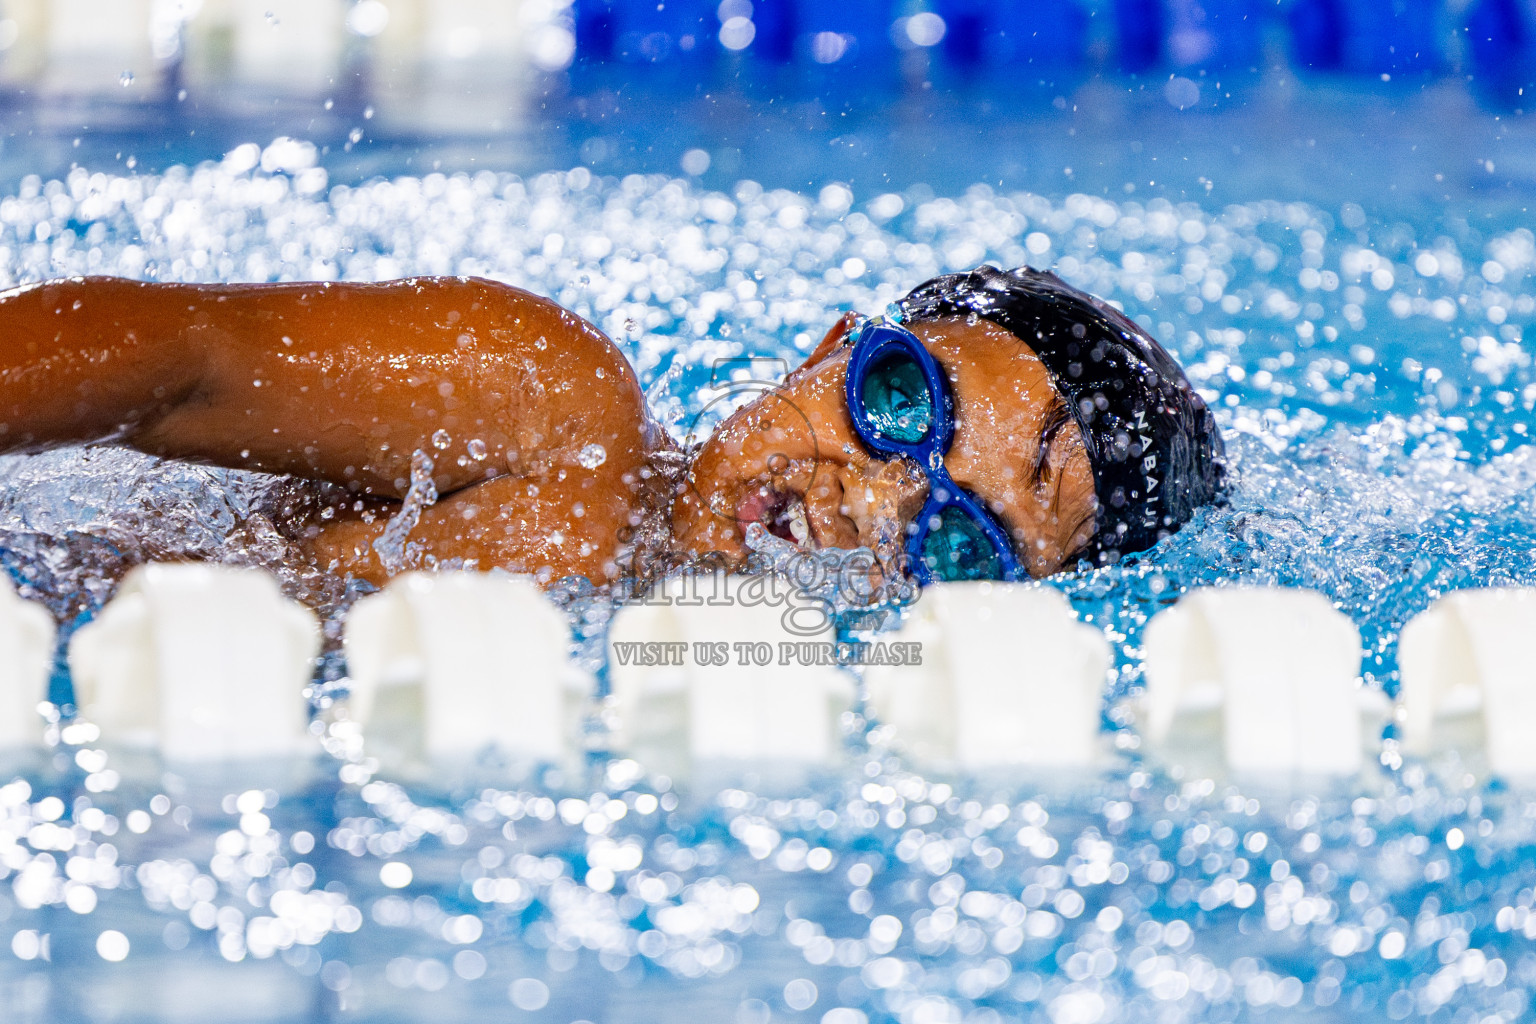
{"x":335,"y":382}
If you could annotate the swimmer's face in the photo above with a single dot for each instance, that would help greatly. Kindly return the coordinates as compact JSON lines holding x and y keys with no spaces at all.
{"x":792,"y":460}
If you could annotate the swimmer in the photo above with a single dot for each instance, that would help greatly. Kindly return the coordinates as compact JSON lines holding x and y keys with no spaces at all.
{"x":1001,"y":425}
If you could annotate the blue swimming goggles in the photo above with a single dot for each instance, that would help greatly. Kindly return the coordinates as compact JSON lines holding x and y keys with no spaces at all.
{"x":900,"y":402}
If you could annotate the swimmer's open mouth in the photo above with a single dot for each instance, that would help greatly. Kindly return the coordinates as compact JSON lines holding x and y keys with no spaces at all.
{"x":782,"y":512}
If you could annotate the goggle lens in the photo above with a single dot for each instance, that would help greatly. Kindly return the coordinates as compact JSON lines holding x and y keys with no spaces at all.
{"x":897,"y":401}
{"x":956,"y":548}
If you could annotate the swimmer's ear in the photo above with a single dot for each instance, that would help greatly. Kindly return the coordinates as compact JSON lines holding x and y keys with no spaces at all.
{"x":826,"y":346}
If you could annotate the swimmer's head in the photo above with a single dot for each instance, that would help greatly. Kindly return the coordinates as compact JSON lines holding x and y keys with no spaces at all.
{"x":1065,"y":483}
{"x":1152,"y":443}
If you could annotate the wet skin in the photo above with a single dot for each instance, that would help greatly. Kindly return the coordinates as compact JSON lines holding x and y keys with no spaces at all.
{"x":508,"y":393}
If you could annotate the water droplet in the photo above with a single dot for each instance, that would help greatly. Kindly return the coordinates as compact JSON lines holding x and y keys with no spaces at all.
{"x":477,"y":450}
{"x":631,"y":325}
{"x":441,"y":440}
{"x":592,"y":456}
{"x":112,"y":946}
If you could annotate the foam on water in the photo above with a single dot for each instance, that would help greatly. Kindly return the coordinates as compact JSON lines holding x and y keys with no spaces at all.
{"x":1377,"y":400}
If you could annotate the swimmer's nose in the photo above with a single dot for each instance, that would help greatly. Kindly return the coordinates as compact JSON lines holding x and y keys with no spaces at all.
{"x":881,"y":496}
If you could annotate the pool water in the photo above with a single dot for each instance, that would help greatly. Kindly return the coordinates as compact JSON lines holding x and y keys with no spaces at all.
{"x":1347,"y":284}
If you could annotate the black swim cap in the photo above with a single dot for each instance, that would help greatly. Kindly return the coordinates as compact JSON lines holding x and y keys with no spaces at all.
{"x":1153,"y":445}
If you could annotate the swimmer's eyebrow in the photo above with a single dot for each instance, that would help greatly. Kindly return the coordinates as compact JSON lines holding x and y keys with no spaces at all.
{"x":1047,"y":435}
{"x":1088,"y":517}
{"x":1056,"y":417}
{"x":1085,"y":519}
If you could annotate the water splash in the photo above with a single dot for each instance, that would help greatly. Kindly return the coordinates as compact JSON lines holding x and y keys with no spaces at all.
{"x":856,"y":587}
{"x":393,"y":546}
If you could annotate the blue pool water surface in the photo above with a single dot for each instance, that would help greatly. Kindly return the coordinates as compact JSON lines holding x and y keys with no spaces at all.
{"x":1345,"y":272}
